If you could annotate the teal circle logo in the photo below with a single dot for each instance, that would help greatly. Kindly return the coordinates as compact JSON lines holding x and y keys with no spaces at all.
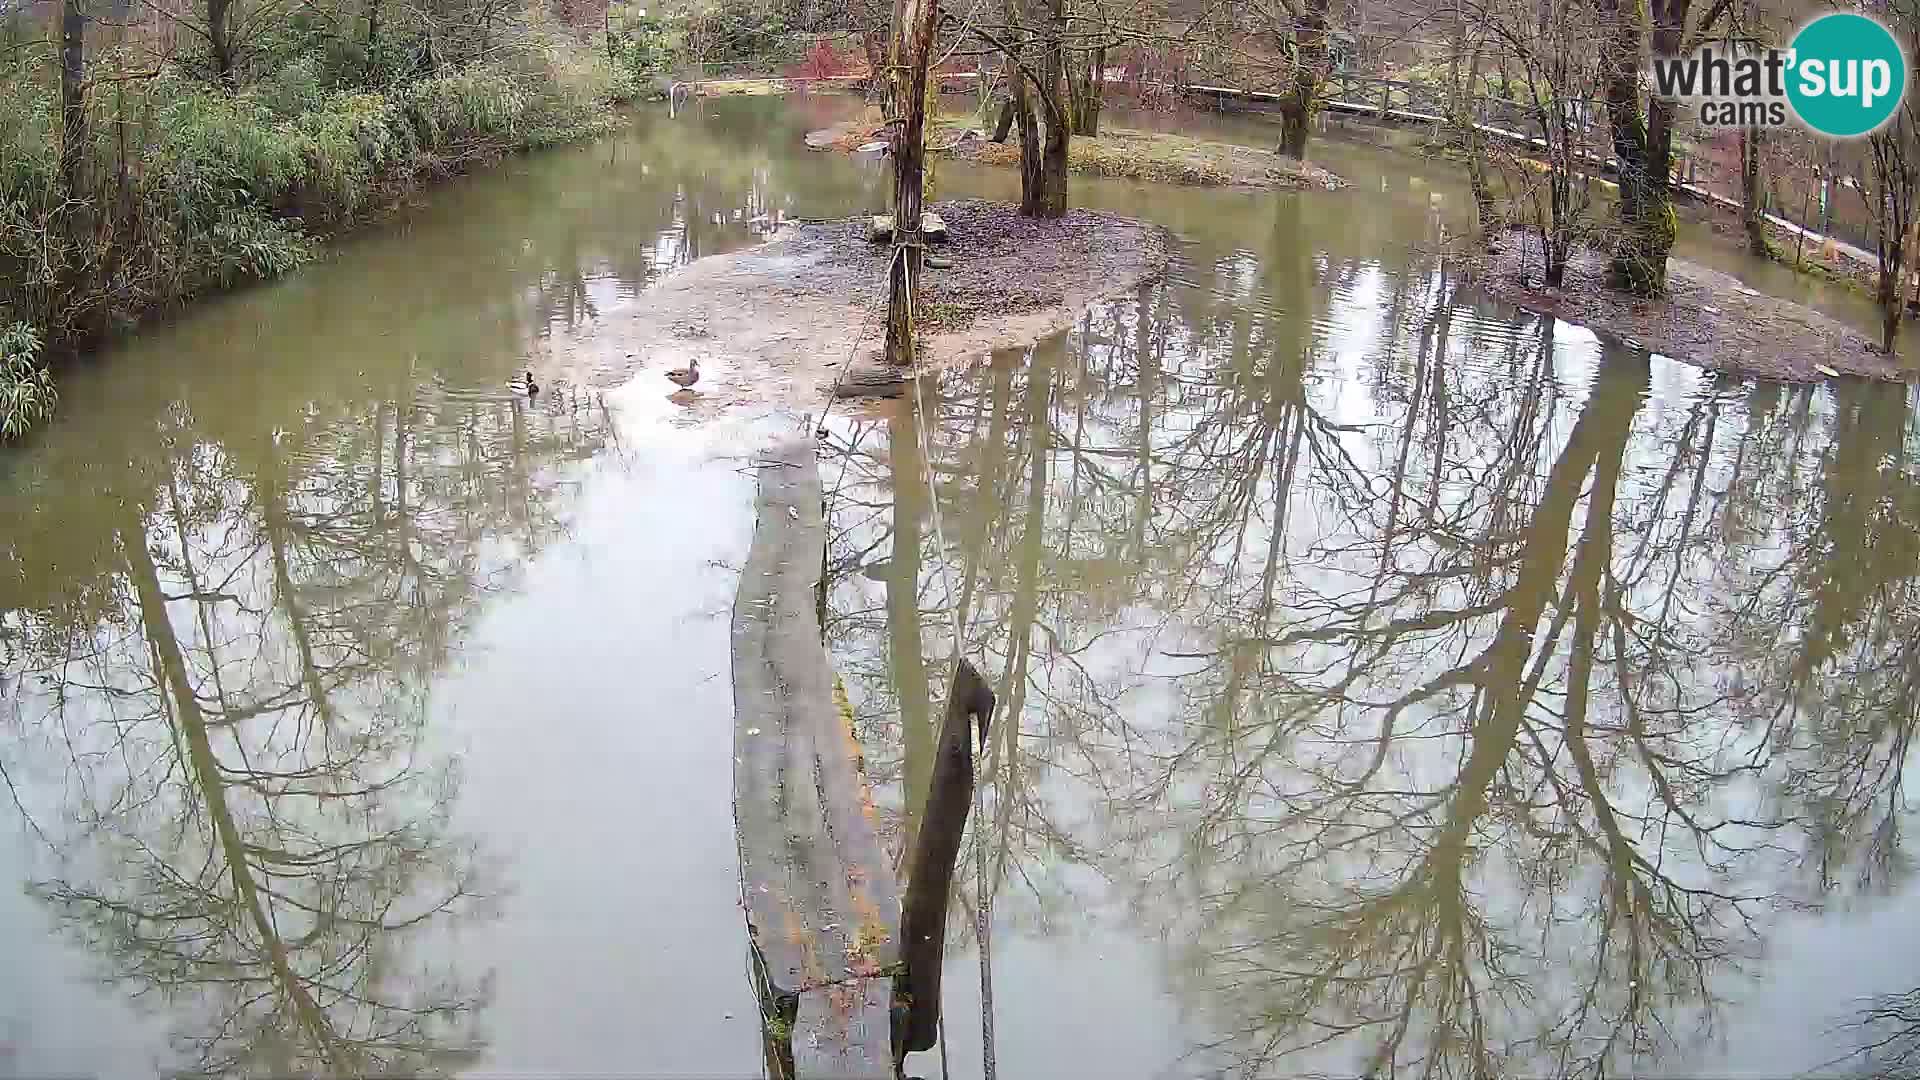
{"x":1846,"y":75}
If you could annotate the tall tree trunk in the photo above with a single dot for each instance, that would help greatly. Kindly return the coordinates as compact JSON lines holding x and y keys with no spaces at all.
{"x":1752,"y":214}
{"x":1008,"y":110}
{"x":1310,"y":68}
{"x":876,"y":50}
{"x":220,"y":39}
{"x":1097,"y":100}
{"x":73,"y":104}
{"x":1890,"y":295}
{"x":1031,"y":180}
{"x":1896,"y":175}
{"x":1643,"y":143}
{"x":1053,"y":170}
{"x":1473,"y":144}
{"x":373,"y":32}
{"x":75,"y":223}
{"x":1003,"y":124}
{"x":1052,"y":197}
{"x":1086,"y":85}
{"x":913,"y":44}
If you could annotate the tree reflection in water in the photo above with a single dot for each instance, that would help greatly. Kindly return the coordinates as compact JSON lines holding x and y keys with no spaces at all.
{"x":1460,"y":700}
{"x":222,"y":736}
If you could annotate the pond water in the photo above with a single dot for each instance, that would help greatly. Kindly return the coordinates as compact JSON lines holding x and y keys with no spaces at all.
{"x":1390,"y":681}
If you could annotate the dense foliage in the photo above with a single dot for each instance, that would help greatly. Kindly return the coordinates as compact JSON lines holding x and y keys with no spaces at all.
{"x":27,"y":396}
{"x":192,"y":175}
{"x":730,"y":31}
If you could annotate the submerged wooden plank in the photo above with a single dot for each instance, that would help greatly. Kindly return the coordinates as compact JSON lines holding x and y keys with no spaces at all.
{"x":841,"y":1031}
{"x":821,"y":898}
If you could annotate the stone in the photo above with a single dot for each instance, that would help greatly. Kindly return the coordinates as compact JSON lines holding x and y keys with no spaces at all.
{"x":939,"y":262}
{"x":871,"y":378}
{"x":880,"y":228}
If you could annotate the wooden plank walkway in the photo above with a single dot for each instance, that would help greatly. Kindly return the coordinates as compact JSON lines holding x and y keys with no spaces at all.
{"x":821,"y":898}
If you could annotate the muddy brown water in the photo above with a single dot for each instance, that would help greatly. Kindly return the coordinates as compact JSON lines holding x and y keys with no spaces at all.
{"x":1393,"y":682}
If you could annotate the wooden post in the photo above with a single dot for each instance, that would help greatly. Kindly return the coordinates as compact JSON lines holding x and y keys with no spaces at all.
{"x":930,"y":866}
{"x":913,"y":22}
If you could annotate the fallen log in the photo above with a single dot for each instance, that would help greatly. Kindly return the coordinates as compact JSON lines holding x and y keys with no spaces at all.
{"x":822,"y":902}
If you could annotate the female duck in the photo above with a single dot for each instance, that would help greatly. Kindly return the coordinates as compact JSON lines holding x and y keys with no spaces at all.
{"x":685,"y":376}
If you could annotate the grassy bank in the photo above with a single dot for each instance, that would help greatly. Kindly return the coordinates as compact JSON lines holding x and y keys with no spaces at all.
{"x":188,"y":182}
{"x":1122,"y":153}
{"x":1165,"y":158}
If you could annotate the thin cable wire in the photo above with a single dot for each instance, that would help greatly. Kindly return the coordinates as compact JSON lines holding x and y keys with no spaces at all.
{"x":982,"y":927}
{"x":940,"y":1023}
{"x":852,"y":351}
{"x":933,"y":497}
{"x":983,"y":903}
{"x":983,"y":931}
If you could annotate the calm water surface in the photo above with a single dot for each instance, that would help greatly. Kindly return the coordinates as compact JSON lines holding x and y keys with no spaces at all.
{"x":1392,"y":683}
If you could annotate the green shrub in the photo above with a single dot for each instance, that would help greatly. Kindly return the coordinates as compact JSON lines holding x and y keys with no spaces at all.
{"x":641,"y":47}
{"x":188,"y":186}
{"x":295,"y":89}
{"x":219,"y":149}
{"x":27,"y":395}
{"x":345,"y":146}
{"x":736,"y":30}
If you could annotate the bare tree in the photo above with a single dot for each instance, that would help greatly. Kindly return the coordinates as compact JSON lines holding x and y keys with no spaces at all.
{"x":1304,"y":37}
{"x":1642,"y":127}
{"x":913,"y":26}
{"x":1552,"y":41}
{"x":1466,"y":50}
{"x":1888,"y":1033}
{"x":1889,"y":182}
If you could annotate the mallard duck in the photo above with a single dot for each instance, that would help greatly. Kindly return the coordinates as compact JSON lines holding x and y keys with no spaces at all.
{"x":685,"y":376}
{"x":523,"y":384}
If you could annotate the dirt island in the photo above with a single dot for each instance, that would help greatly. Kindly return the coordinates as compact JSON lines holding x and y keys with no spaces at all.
{"x":779,"y":323}
{"x":1707,"y":318}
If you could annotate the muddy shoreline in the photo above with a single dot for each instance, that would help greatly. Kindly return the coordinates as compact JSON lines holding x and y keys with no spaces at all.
{"x":1709,"y":319}
{"x":776,"y":324}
